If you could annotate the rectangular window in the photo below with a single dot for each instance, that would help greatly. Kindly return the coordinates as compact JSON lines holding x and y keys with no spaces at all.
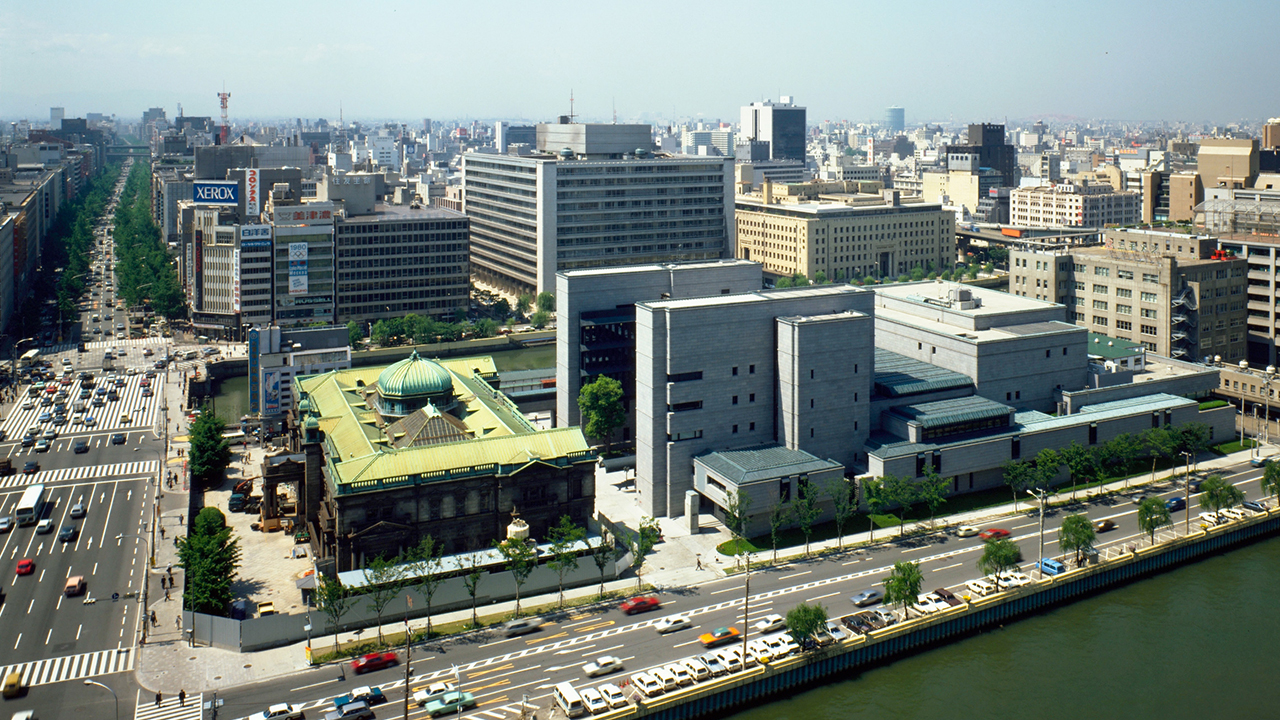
{"x":1079,"y":285}
{"x":1150,"y":313}
{"x":751,"y":369}
{"x":1124,"y":309}
{"x":1124,"y":274}
{"x":684,"y":377}
{"x":687,"y":435}
{"x":1099,"y":304}
{"x":1101,"y":289}
{"x":1148,"y":297}
{"x":735,"y":429}
{"x":1124,"y":325}
{"x":686,"y":406}
{"x":1124,"y":293}
{"x":751,"y":397}
{"x":1149,"y":330}
{"x":735,"y":370}
{"x":735,"y":399}
{"x":1099,"y":321}
{"x":1150,"y":278}
{"x":1102,"y":271}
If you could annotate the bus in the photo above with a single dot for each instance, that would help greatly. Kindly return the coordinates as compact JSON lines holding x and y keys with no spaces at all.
{"x":29,"y":507}
{"x":28,"y":358}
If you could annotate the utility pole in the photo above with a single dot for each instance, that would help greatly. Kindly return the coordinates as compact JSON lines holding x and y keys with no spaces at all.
{"x":408,"y":649}
{"x":1186,"y":487}
{"x":746,"y":601}
{"x":1040,"y":497}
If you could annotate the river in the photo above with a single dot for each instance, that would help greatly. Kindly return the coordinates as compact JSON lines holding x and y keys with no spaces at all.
{"x":1198,"y":642}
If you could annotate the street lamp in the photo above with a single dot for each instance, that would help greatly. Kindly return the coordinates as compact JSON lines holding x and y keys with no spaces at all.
{"x":1186,"y":486}
{"x":1040,"y":497}
{"x":746,"y":601}
{"x":108,"y":689}
{"x":145,"y":571}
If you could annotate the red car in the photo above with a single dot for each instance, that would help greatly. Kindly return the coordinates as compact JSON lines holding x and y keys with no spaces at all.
{"x":993,"y":534}
{"x":374,"y":661}
{"x":639,"y":604}
{"x":26,"y":566}
{"x":145,"y":383}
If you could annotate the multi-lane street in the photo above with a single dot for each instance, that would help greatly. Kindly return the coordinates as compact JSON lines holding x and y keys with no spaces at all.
{"x":505,"y":672}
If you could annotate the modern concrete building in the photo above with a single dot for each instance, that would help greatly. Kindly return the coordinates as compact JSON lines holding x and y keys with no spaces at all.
{"x":1169,"y":291}
{"x":895,"y":119}
{"x":277,"y":356}
{"x":1073,"y":205}
{"x":781,"y":124}
{"x":832,"y":228}
{"x":593,"y":196}
{"x":986,"y":143}
{"x":960,"y":185}
{"x":1228,"y":163}
{"x":303,"y":288}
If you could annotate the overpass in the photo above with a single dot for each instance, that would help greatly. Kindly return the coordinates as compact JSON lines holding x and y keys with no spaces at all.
{"x":968,"y":235}
{"x":127,"y":151}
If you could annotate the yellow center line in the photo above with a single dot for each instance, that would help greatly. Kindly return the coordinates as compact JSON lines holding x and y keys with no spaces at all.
{"x":500,"y":683}
{"x":548,"y":637}
{"x":499,"y":699}
{"x":480,"y":673}
{"x":595,"y":626}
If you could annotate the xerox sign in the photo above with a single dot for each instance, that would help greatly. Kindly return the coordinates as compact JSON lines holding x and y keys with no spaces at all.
{"x":220,"y":192}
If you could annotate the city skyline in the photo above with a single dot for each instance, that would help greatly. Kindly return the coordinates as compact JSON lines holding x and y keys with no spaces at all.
{"x":989,"y":62}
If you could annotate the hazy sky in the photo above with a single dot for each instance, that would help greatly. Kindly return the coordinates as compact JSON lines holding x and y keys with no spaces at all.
{"x":1119,"y":59}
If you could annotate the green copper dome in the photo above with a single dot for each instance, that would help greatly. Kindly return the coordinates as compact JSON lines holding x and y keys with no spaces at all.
{"x":414,"y":377}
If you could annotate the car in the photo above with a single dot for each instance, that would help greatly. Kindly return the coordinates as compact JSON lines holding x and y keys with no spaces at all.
{"x":14,"y":687}
{"x":603,"y":665}
{"x":639,"y":604}
{"x":1137,"y":499}
{"x":781,"y":645}
{"x":980,"y":587}
{"x":1211,"y":518}
{"x":1259,"y":461}
{"x":42,"y":445}
{"x":44,"y":527}
{"x":434,"y":691}
{"x":870,"y":596}
{"x":770,"y":623}
{"x":646,"y":684}
{"x":49,"y":434}
{"x":696,"y":668}
{"x":1233,"y":513}
{"x":374,"y":661}
{"x":732,"y":661}
{"x":714,"y":666}
{"x":354,"y":710}
{"x":521,"y":626}
{"x":759,"y":651}
{"x":928,"y":603}
{"x":672,"y":623}
{"x":837,"y":632}
{"x":1013,"y":579}
{"x":451,"y":702}
{"x":966,"y":531}
{"x":993,"y":534}
{"x":101,"y":391}
{"x":613,"y":695}
{"x":1175,"y":504}
{"x":1049,"y":566}
{"x":125,"y":419}
{"x":97,"y":331}
{"x":680,"y":673}
{"x":280,"y":711}
{"x":719,"y":636}
{"x":146,"y":392}
{"x":131,"y":371}
{"x":365,"y":694}
{"x":117,"y":438}
{"x":28,"y":404}
{"x":1103,"y":525}
{"x":85,"y":393}
{"x":1254,"y":505}
{"x":143,"y":382}
{"x":78,"y":511}
{"x":31,"y":467}
{"x":948,"y":597}
{"x":46,"y":416}
{"x":150,"y":373}
{"x":112,"y":396}
{"x":6,"y":523}
{"x":667,"y":680}
{"x":147,"y":352}
{"x":26,"y":566}
{"x":594,"y":701}
{"x":28,"y":441}
{"x":67,"y":533}
{"x":1194,"y":484}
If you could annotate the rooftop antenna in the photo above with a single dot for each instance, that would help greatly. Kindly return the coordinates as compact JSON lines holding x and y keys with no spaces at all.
{"x":223,"y":97}
{"x":571,"y":115}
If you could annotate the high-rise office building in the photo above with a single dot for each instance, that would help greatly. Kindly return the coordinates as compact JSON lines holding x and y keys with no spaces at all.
{"x":592,"y":196}
{"x":895,"y":119}
{"x":986,"y":142}
{"x":781,"y":124}
{"x":56,"y":114}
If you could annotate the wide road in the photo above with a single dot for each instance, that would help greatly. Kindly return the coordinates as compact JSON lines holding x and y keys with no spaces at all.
{"x":504,"y":672}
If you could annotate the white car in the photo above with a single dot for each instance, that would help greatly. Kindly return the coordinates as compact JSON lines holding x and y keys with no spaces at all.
{"x":603,"y":665}
{"x":781,"y":645}
{"x":697,"y":669}
{"x":613,"y":695}
{"x":28,"y":404}
{"x":731,"y":662}
{"x":434,"y":691}
{"x":1233,"y":513}
{"x":713,"y":663}
{"x":760,"y":650}
{"x":1013,"y":579}
{"x":836,"y":630}
{"x":44,"y":526}
{"x":680,"y":673}
{"x":966,"y":531}
{"x":667,"y":679}
{"x":281,"y":711}
{"x":673,"y":623}
{"x":980,"y":587}
{"x":646,"y":684}
{"x":748,"y":660}
{"x":1211,"y":518}
{"x":928,"y":603}
{"x":770,"y":623}
{"x":594,"y":701}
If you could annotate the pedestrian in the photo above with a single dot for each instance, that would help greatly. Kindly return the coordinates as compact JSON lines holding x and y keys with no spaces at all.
{"x":177,"y":622}
{"x":159,"y":699}
{"x":175,"y":541}
{"x":182,"y":698}
{"x":153,"y":618}
{"x":699,"y":562}
{"x":180,"y":518}
{"x":161,"y":532}
{"x":166,"y":593}
{"x":161,"y":582}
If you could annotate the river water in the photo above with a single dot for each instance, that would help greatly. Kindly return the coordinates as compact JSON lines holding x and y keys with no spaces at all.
{"x":1201,"y":641}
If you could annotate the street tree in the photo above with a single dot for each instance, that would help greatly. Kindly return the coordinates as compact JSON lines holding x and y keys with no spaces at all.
{"x":521,"y":561}
{"x":1019,"y":476}
{"x":1119,"y":452}
{"x":563,"y":537}
{"x":1217,"y":494}
{"x":1271,"y":479}
{"x":804,"y":621}
{"x":474,"y":567}
{"x":806,"y":511}
{"x":354,"y":334}
{"x":778,"y":517}
{"x":334,"y":600}
{"x":1048,"y":462}
{"x":546,"y":302}
{"x":383,"y":581}
{"x":540,"y":319}
{"x":641,"y":544}
{"x":1163,"y":443}
{"x":1076,"y":534}
{"x":933,"y":491}
{"x":737,"y":507}
{"x":601,"y":405}
{"x":998,"y":556}
{"x":428,"y":564}
{"x":523,"y":303}
{"x":901,"y":491}
{"x":873,"y":495}
{"x":844,"y":501}
{"x":605,"y":553}
{"x":210,"y":452}
{"x":1153,"y":515}
{"x":902,"y":586}
{"x":210,"y":556}
{"x":1080,"y":462}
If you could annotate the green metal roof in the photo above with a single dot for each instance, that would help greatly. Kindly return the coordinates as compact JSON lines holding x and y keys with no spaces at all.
{"x":950,"y":412}
{"x":764,"y":462}
{"x":413,"y":377}
{"x":900,"y":376}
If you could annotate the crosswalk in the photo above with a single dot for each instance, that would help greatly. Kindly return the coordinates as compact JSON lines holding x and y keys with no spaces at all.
{"x":136,"y":342}
{"x":141,"y":410}
{"x":170,"y":708}
{"x":73,"y":667}
{"x":89,"y":472}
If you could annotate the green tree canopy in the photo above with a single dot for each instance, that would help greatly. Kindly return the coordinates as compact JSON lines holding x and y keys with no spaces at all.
{"x":1153,"y":515}
{"x":1271,"y":479}
{"x":804,"y":621}
{"x":1076,"y":535}
{"x":521,"y":561}
{"x":546,"y":302}
{"x":563,"y":537}
{"x":902,"y":587}
{"x":354,"y":334}
{"x":600,"y":403}
{"x":999,"y":556}
{"x":210,"y":556}
{"x":210,"y":452}
{"x":1217,"y":493}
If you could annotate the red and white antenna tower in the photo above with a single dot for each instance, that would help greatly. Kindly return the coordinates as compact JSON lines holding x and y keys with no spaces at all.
{"x":222,"y":99}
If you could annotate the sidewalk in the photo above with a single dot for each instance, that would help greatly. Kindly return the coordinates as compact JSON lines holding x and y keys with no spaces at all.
{"x":167,"y":664}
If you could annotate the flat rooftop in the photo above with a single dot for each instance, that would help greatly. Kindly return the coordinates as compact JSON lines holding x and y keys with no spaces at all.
{"x":993,"y":302}
{"x":400,"y":212}
{"x":815,"y":291}
{"x":834,"y":207}
{"x":657,"y":267}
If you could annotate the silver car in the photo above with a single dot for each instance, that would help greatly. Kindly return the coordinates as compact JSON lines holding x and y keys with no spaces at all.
{"x":6,"y":523}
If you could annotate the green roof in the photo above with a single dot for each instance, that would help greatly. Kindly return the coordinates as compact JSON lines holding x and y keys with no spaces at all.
{"x":900,"y":376}
{"x":950,"y":412}
{"x":1109,"y":348}
{"x":764,"y":462}
{"x":415,"y":376}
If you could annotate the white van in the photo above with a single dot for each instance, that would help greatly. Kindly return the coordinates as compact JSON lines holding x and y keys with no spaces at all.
{"x":569,"y":700}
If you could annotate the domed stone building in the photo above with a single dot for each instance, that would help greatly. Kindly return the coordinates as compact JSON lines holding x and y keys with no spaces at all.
{"x":428,"y":447}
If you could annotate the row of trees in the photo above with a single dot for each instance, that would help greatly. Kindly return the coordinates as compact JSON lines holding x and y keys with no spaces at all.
{"x":143,"y":269}
{"x":210,"y":452}
{"x":917,"y":274}
{"x":804,"y":509}
{"x":210,"y":556}
{"x":73,"y":233}
{"x":422,"y":330}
